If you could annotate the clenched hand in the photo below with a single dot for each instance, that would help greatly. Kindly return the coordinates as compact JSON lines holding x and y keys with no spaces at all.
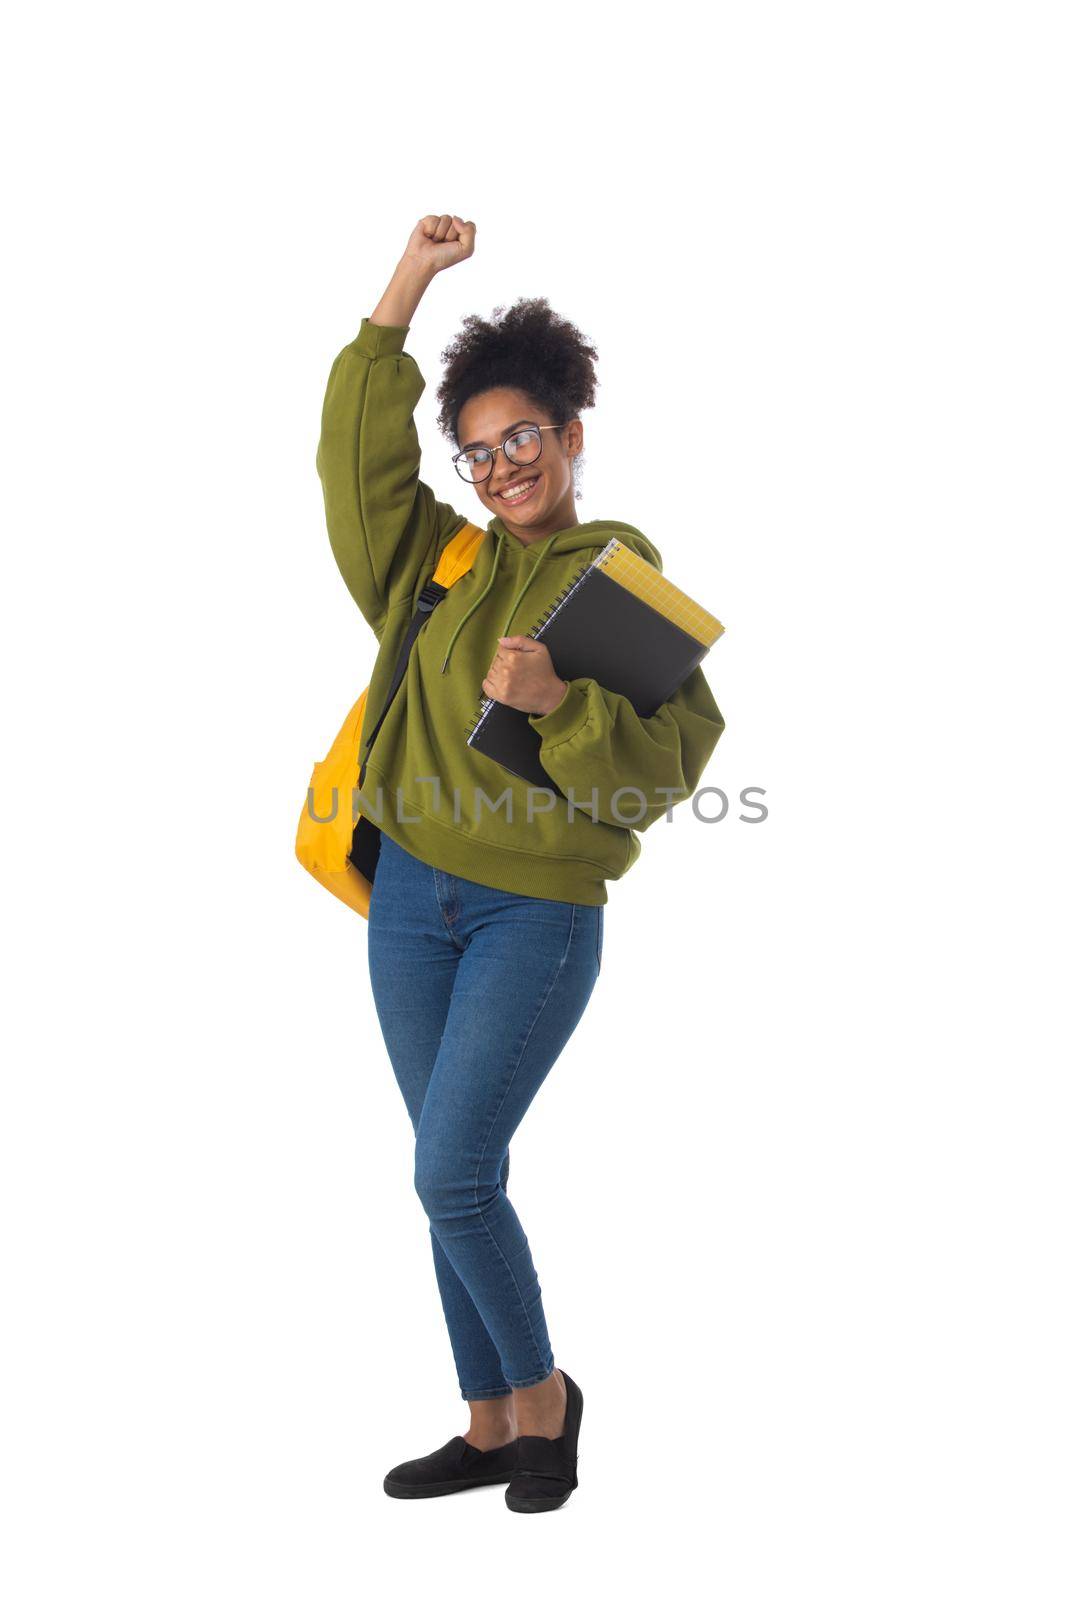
{"x":522,"y":675}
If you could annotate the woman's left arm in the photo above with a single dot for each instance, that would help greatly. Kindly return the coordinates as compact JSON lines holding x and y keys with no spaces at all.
{"x":622,"y":768}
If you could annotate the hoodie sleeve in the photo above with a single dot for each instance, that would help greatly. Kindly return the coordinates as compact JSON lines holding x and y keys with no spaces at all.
{"x":384,"y":524}
{"x":595,"y":746}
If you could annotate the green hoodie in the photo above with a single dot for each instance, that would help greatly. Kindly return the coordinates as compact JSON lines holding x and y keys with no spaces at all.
{"x":447,"y":804}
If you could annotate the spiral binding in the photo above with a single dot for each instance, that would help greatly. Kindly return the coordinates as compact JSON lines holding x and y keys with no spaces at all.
{"x":538,"y":628}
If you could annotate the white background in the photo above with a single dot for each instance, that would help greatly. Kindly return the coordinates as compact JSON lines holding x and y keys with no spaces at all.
{"x":795,"y":1188}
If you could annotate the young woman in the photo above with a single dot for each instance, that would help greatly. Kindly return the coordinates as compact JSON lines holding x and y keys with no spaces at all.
{"x":486,"y":918}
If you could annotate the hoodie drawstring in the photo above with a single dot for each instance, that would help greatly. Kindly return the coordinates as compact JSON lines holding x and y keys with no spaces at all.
{"x":476,"y":603}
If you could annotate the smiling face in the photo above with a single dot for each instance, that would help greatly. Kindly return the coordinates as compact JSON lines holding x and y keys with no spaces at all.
{"x":533,"y":501}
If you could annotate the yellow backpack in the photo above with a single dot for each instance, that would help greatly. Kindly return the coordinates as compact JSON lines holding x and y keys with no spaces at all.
{"x":341,"y":852}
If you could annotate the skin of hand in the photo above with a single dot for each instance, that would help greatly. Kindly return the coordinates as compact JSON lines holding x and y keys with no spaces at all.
{"x":522,"y":675}
{"x":439,"y":242}
{"x":435,"y":243}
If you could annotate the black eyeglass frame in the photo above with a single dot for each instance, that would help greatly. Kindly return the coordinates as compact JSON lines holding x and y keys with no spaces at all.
{"x":528,"y":427}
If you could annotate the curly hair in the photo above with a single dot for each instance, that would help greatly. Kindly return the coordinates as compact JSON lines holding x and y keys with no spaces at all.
{"x":528,"y":347}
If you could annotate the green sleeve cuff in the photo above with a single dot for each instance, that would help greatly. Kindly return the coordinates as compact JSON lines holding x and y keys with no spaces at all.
{"x":373,"y":340}
{"x":564,"y":722}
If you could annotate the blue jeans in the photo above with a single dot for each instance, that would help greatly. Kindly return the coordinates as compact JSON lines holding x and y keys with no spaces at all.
{"x":477,"y":991}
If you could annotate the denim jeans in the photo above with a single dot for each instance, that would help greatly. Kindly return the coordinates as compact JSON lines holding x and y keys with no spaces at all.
{"x":477,"y":991}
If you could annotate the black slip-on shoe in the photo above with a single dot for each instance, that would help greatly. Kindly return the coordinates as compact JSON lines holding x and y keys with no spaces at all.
{"x":547,"y":1470}
{"x":457,"y":1465}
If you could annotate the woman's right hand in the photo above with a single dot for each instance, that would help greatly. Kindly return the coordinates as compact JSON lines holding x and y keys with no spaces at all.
{"x":435,"y":243}
{"x":439,"y":242}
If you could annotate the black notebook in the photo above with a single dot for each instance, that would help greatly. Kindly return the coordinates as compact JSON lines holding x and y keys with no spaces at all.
{"x":619,"y":621}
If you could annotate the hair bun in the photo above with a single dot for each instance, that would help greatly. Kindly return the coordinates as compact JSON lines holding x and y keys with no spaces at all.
{"x":526,"y":346}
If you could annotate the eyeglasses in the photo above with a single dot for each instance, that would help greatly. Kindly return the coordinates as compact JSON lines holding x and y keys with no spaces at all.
{"x":521,"y":447}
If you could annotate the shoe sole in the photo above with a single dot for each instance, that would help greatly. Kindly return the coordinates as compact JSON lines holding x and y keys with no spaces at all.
{"x":542,"y":1503}
{"x":547,"y":1502}
{"x":429,"y":1491}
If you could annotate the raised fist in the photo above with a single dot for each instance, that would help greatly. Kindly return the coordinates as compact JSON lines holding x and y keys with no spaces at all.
{"x":439,"y":242}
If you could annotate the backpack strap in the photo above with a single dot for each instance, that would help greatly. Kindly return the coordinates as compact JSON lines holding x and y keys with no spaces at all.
{"x":458,"y":555}
{"x":455,"y":560}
